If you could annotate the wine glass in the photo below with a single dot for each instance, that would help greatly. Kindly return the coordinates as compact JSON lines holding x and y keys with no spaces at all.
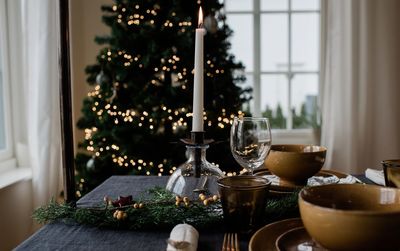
{"x":250,"y":141}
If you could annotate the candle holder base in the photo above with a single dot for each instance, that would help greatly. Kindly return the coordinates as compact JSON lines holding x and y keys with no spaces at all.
{"x":196,"y":175}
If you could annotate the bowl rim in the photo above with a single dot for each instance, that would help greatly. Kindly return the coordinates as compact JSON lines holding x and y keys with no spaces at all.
{"x":323,"y":148}
{"x":349,"y":212}
{"x":391,"y":162}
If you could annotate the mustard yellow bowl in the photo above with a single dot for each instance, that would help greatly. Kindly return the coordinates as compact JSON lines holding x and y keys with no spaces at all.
{"x":352,"y":216}
{"x":294,"y":164}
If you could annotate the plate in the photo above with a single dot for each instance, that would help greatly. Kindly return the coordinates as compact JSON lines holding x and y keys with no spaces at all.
{"x":287,"y":189}
{"x":297,"y":239}
{"x":264,"y":239}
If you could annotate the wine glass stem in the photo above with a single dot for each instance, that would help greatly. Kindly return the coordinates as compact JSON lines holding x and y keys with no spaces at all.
{"x":250,"y":171}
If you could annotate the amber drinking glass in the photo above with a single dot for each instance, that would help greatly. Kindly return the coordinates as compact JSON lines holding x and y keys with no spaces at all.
{"x":243,"y":201}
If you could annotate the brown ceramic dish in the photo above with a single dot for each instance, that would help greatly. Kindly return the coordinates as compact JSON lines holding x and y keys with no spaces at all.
{"x":285,"y":187}
{"x":352,"y":216}
{"x":297,"y":239}
{"x":264,"y":239}
{"x":294,"y":164}
{"x":391,"y":170}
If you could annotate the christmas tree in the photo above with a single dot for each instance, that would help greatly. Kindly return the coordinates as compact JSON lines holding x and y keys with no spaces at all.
{"x":141,"y":102}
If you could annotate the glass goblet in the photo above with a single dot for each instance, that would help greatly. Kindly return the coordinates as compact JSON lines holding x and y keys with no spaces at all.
{"x":250,"y":141}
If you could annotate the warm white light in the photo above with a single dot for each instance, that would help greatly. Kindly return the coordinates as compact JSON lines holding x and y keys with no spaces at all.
{"x":200,"y":17}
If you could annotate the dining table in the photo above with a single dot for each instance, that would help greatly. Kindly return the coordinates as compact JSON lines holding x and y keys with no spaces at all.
{"x":68,"y":235}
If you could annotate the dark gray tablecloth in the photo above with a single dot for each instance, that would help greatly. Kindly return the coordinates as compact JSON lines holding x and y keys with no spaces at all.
{"x":121,"y":186}
{"x":61,"y":236}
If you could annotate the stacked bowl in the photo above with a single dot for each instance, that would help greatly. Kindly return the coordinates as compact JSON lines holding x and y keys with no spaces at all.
{"x":352,"y":216}
{"x":335,"y":216}
{"x":294,"y":164}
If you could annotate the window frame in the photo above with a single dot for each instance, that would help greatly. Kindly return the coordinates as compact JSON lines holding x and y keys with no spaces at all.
{"x":7,"y":154}
{"x":256,"y":74}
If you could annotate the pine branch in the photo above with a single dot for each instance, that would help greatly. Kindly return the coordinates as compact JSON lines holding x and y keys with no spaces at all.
{"x":52,"y":212}
{"x":158,"y":212}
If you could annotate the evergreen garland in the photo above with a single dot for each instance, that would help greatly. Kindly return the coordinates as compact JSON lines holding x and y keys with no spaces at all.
{"x":159,"y":212}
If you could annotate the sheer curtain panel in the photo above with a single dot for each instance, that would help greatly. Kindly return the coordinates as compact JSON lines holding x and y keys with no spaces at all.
{"x":38,"y":87}
{"x":361,"y":73}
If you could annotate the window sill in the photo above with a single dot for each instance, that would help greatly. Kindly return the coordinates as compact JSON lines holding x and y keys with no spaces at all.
{"x":14,"y":175}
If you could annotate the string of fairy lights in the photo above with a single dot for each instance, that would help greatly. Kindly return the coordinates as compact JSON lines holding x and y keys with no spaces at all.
{"x":177,"y":117}
{"x":167,"y":65}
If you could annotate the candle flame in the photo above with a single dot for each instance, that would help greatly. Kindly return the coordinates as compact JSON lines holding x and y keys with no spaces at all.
{"x":200,"y":17}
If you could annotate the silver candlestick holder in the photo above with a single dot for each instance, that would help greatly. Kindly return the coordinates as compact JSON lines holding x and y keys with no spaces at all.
{"x":196,"y":175}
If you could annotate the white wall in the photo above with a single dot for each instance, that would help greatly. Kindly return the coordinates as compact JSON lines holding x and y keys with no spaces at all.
{"x":15,"y":214}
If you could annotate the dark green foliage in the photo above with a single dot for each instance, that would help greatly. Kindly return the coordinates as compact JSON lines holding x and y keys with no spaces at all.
{"x":283,"y":208}
{"x":146,"y":65}
{"x":276,"y":119}
{"x":300,"y":121}
{"x":159,"y":212}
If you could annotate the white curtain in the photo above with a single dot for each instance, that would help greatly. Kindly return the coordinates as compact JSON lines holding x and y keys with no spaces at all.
{"x":36,"y":93}
{"x":361,"y":91}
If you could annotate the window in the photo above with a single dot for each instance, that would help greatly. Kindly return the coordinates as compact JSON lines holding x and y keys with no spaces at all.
{"x":5,"y":118}
{"x":278,"y":41}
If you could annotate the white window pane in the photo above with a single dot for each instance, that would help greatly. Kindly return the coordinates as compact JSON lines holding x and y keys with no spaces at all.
{"x":242,"y":38}
{"x":249,"y":83}
{"x":274,"y":5}
{"x":274,"y":42}
{"x":274,"y":99}
{"x":305,"y":42}
{"x":305,"y":4}
{"x":304,"y":100}
{"x":238,"y":5}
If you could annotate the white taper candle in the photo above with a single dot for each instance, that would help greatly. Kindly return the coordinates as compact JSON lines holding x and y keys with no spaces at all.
{"x":198,"y":90}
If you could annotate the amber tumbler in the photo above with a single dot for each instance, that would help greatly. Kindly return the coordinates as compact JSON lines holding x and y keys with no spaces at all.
{"x":391,"y":170}
{"x":243,"y":201}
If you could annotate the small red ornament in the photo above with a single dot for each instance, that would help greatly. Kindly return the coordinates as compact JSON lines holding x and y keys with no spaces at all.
{"x":123,"y":201}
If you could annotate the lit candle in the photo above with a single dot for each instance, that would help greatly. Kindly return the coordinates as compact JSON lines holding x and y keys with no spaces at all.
{"x":198,"y":92}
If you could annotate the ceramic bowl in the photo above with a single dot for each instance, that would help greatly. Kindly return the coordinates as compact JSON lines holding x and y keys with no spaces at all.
{"x":391,"y":170}
{"x":294,"y":164}
{"x":352,"y":216}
